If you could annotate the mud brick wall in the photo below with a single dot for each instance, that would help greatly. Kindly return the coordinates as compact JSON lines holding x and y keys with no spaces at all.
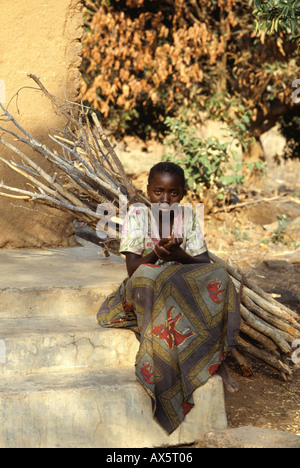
{"x":41,"y":37}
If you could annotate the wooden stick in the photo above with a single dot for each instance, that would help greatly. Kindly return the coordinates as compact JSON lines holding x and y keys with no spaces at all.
{"x":266,"y":305}
{"x":93,"y":176}
{"x":264,"y":328}
{"x":54,"y":100}
{"x":131,"y":191}
{"x":268,"y":297}
{"x":289,"y":330}
{"x":253,"y":202}
{"x":259,"y":337}
{"x":275,"y":363}
{"x":18,"y":197}
{"x":244,"y":366}
{"x":257,"y":294}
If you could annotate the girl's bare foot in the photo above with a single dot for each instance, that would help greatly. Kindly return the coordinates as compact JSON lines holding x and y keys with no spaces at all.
{"x":229,"y":384}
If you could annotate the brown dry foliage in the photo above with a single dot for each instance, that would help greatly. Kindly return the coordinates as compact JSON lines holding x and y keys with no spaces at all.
{"x":148,"y":56}
{"x":132,"y":58}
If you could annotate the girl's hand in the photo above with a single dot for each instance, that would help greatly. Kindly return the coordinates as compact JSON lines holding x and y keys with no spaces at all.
{"x":168,"y":249}
{"x":170,"y":243}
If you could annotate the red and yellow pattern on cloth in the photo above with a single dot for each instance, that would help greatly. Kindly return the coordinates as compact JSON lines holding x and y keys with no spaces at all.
{"x":186,"y":318}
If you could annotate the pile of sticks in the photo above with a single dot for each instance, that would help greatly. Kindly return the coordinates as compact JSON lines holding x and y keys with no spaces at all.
{"x":86,"y":173}
{"x":85,"y":169}
{"x":268,"y":331}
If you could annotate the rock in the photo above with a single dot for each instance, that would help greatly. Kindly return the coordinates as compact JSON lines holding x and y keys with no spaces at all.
{"x":266,"y":213}
{"x":271,"y":227}
{"x":248,"y":437}
{"x":273,"y":143}
{"x":288,"y":231}
{"x":293,"y":258}
{"x":286,"y":297}
{"x":278,"y":265}
{"x":292,"y":231}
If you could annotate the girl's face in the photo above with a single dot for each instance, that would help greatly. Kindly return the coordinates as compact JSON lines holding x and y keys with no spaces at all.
{"x":165,"y":189}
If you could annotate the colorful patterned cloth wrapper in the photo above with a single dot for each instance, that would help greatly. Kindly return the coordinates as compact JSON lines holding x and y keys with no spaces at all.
{"x":186,"y":318}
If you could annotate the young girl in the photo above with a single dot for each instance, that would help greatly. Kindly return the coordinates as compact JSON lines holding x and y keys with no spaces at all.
{"x":182,"y":308}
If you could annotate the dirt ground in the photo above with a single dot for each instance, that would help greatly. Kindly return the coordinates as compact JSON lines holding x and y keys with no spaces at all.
{"x":245,"y":238}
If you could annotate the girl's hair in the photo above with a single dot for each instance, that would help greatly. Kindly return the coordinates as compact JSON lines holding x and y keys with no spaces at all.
{"x":170,"y":167}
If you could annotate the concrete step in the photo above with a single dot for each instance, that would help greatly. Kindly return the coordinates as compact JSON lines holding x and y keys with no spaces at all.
{"x":36,"y":344}
{"x":57,"y":282}
{"x":53,"y":302}
{"x":65,"y":381}
{"x":96,"y":409}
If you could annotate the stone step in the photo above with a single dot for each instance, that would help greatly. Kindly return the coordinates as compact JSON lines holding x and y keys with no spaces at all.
{"x":59,"y":268}
{"x":36,"y":344}
{"x":96,"y":409}
{"x":53,"y":302}
{"x":65,"y":381}
{"x":249,"y":437}
{"x":57,"y":282}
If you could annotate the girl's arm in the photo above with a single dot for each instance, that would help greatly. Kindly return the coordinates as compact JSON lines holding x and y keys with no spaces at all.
{"x":133,"y":261}
{"x":180,"y":255}
{"x":184,"y":257}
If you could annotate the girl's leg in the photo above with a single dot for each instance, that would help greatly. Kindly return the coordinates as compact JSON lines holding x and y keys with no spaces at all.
{"x":230,"y":384}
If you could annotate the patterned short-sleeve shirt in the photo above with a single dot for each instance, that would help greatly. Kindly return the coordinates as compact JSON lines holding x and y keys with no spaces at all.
{"x":140,"y":231}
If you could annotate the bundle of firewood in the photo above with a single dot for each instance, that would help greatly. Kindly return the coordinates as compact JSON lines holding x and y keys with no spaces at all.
{"x":86,"y":174}
{"x":86,"y":171}
{"x":269,"y":330}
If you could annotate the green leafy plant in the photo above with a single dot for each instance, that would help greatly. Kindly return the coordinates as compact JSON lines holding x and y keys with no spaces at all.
{"x":278,"y":234}
{"x":240,"y":235}
{"x":235,"y":176}
{"x":257,"y":165}
{"x":204,"y":160}
{"x":277,"y":15}
{"x":231,"y":110}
